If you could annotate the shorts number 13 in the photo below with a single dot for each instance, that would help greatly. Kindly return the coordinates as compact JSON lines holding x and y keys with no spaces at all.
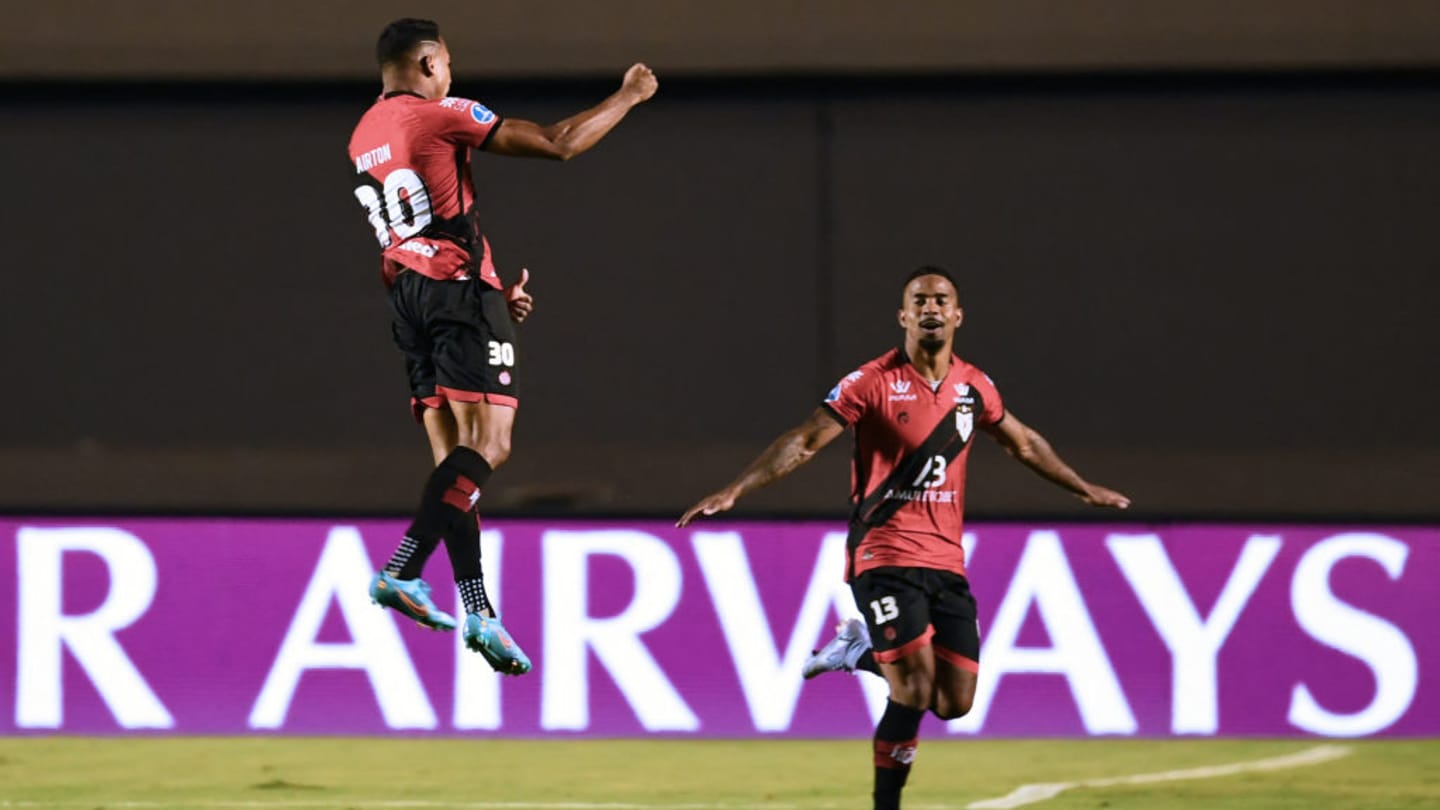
{"x":885,"y":609}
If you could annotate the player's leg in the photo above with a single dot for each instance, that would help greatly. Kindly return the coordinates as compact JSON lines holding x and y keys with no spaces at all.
{"x":896,"y":612}
{"x":399,"y":585}
{"x":956,"y":645}
{"x":441,"y":431}
{"x":484,"y":433}
{"x":475,"y":370}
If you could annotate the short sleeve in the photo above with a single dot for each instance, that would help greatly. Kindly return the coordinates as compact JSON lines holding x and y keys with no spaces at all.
{"x":462,"y":121}
{"x":994,"y":407}
{"x":847,"y":400}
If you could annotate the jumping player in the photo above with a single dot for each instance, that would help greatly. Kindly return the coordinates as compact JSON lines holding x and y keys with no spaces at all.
{"x":913,"y":410}
{"x":452,"y":318}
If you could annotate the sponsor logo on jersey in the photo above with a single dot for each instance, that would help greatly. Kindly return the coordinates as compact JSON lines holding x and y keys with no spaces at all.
{"x":423,"y":248}
{"x":901,"y":391}
{"x":452,"y":103}
{"x":481,"y":114}
{"x":921,"y":495}
{"x":962,"y":390}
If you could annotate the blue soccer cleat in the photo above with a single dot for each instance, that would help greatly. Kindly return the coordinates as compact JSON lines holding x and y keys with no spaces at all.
{"x":487,"y":636}
{"x":411,"y":597}
{"x":842,"y":652}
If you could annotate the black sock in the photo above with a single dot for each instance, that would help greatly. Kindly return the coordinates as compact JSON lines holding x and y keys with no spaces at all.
{"x":472,"y":592}
{"x":409,"y":558}
{"x":462,"y":543}
{"x":450,"y":492}
{"x":867,"y":662}
{"x":895,"y":739}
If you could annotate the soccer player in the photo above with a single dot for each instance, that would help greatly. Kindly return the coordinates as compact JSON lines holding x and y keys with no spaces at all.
{"x":452,"y":317}
{"x":913,"y":411}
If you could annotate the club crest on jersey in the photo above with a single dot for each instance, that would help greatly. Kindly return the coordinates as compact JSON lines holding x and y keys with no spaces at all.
{"x":965,"y":421}
{"x":481,"y":114}
{"x":964,"y":411}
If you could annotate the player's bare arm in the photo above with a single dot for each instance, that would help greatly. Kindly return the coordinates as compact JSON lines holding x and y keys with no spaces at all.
{"x":579,"y":132}
{"x":1031,"y":449}
{"x":789,"y":451}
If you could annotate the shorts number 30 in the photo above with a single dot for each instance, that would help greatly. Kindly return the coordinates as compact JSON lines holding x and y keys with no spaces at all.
{"x":502,"y":354}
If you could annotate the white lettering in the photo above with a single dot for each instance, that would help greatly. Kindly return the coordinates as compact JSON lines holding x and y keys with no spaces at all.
{"x":922,"y":495}
{"x":1378,"y":643}
{"x":423,"y":248}
{"x":570,"y":631}
{"x":1194,"y":643}
{"x":44,"y":631}
{"x":1043,"y":578}
{"x":771,"y":684}
{"x":340,"y":577}
{"x":366,"y":161}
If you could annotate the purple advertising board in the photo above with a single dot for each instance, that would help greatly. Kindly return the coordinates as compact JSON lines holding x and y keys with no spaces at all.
{"x":219,"y":626}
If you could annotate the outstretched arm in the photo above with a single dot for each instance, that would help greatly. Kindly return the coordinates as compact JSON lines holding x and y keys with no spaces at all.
{"x":1031,"y":449}
{"x":793,"y":448}
{"x":576,"y":134}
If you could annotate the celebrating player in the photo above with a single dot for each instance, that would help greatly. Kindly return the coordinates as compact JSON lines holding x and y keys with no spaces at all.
{"x":452,"y":318}
{"x":913,"y":411}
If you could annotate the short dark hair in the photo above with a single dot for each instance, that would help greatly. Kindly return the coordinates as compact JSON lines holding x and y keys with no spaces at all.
{"x":401,"y":37}
{"x":932,"y":270}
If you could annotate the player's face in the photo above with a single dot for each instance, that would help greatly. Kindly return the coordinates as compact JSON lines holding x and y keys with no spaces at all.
{"x":930,"y":312}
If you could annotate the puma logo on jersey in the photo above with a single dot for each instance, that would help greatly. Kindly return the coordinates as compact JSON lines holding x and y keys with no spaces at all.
{"x":366,"y":161}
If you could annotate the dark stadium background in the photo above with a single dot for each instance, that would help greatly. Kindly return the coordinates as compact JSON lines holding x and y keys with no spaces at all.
{"x":1197,"y":249}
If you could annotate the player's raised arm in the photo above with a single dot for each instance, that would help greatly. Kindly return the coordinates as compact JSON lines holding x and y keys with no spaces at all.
{"x":579,"y":132}
{"x":790,"y":450}
{"x":1031,"y":449}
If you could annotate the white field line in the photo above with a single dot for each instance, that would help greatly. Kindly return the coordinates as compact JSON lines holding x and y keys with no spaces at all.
{"x":1029,"y":794}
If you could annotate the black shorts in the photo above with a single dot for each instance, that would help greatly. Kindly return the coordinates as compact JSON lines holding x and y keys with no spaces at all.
{"x":907,"y":608}
{"x":458,"y":340}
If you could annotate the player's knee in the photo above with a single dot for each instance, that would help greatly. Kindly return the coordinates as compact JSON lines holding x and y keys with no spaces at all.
{"x":495,"y":450}
{"x":952,"y":707}
{"x":916,"y":690}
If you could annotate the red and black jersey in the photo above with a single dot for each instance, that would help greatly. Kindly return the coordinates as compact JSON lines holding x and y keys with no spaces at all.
{"x":412,"y":165}
{"x":911,"y":444}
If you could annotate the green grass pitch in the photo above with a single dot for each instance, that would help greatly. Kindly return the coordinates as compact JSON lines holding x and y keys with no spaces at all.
{"x":196,"y":773}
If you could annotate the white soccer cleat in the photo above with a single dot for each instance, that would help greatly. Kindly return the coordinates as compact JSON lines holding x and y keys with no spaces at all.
{"x":840,"y":653}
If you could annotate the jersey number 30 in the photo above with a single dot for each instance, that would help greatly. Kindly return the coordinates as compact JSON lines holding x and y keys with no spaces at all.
{"x":404,"y":210}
